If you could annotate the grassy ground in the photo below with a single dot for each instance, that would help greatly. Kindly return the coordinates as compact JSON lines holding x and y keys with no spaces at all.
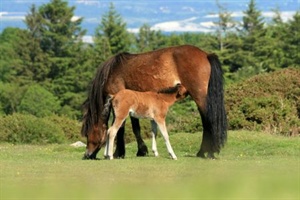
{"x":251,"y":166}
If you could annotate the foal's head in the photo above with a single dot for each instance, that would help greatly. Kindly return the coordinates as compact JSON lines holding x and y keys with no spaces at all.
{"x":178,"y":90}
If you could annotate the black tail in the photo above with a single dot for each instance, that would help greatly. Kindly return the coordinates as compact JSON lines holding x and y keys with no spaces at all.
{"x":94,"y":105}
{"x":215,"y":108}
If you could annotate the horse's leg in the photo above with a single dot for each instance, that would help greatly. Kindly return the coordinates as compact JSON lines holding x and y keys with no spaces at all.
{"x":120,"y":145}
{"x":154,"y":134}
{"x":206,"y":138}
{"x":142,"y":148}
{"x":164,"y":132}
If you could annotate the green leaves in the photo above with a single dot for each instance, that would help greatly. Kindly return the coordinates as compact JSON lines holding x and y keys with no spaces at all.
{"x":39,"y":102}
{"x":112,"y":31}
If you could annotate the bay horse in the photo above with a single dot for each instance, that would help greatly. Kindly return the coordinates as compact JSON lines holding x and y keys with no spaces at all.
{"x":152,"y":105}
{"x":198,"y":71}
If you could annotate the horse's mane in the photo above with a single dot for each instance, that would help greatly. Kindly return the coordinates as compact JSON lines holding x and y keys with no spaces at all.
{"x":94,"y":104}
{"x":170,"y":90}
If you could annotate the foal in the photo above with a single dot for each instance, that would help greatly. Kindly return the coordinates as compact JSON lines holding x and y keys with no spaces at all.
{"x":153,"y":105}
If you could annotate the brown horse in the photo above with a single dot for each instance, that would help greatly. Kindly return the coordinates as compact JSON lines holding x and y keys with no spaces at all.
{"x":199,"y":72}
{"x":153,"y":105}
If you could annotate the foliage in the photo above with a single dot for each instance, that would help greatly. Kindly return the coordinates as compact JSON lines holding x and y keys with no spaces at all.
{"x":268,"y":102}
{"x":113,"y":30}
{"x":148,"y":40}
{"x":10,"y":96}
{"x":39,"y":102}
{"x":28,"y":129}
{"x":70,"y":128}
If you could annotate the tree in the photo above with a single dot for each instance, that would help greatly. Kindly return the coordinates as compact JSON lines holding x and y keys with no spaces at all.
{"x":224,"y":24}
{"x":292,"y":38}
{"x":61,"y":31}
{"x":35,"y":59}
{"x":271,"y":47}
{"x":8,"y":57}
{"x":112,"y":31}
{"x":39,"y":102}
{"x":147,"y":39}
{"x":250,"y":39}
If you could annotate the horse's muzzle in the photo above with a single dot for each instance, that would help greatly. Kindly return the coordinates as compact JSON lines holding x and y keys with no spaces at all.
{"x":92,"y":156}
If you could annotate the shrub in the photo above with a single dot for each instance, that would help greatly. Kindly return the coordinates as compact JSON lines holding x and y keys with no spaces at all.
{"x":28,"y":129}
{"x":269,"y":102}
{"x":71,"y":128}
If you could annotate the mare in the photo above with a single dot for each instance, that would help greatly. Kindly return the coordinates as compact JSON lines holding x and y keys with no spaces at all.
{"x":198,"y":71}
{"x":153,"y":105}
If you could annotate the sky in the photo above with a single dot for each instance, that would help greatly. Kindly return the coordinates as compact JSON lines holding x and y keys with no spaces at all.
{"x":164,"y":15}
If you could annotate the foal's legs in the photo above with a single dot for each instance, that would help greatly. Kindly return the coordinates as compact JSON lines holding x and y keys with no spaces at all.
{"x":164,"y":132}
{"x":154,"y":134}
{"x":112,"y":132}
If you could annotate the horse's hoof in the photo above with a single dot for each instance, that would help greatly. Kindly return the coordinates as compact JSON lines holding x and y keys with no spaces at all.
{"x":142,"y":151}
{"x":201,"y":154}
{"x":211,"y":156}
{"x":119,"y":155}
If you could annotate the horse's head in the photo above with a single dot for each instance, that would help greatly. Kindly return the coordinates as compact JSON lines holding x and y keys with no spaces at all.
{"x":95,"y":132}
{"x":96,"y":138}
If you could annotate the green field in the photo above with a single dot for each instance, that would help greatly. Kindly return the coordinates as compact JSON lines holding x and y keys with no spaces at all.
{"x":252,"y":166}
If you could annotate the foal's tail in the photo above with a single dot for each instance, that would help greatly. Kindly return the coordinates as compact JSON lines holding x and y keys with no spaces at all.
{"x":215,"y":108}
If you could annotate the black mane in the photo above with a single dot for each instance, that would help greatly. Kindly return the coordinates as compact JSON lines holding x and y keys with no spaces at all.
{"x":170,"y":90}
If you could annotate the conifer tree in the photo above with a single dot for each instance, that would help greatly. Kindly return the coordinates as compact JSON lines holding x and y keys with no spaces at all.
{"x":113,"y":29}
{"x":252,"y":35}
{"x":292,"y":38}
{"x":60,"y":28}
{"x":148,"y":39}
{"x":224,"y":24}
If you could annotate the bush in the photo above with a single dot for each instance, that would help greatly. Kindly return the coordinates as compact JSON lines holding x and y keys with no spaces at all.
{"x":71,"y":128}
{"x":28,"y":129}
{"x":269,"y":102}
{"x":184,"y":116}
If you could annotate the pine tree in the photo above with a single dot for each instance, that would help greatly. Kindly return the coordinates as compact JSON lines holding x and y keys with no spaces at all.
{"x":224,"y":25}
{"x":147,"y":39}
{"x":113,"y":29}
{"x":59,"y":28}
{"x":253,"y":26}
{"x":292,"y":38}
{"x":271,"y":46}
{"x":252,"y":36}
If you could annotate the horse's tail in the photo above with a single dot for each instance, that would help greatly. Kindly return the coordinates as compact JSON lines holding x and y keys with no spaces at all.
{"x":94,"y":105}
{"x":215,"y":108}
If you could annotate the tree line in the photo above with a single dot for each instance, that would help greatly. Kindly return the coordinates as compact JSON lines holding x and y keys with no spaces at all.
{"x":46,"y":68}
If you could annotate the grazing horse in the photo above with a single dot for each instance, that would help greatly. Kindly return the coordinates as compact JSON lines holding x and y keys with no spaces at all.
{"x":153,"y":105}
{"x":199,"y":72}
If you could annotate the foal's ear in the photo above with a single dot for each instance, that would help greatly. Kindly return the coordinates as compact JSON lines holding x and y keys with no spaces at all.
{"x":182,"y":92}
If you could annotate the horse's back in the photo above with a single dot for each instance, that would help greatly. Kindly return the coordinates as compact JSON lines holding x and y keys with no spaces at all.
{"x":161,"y":68}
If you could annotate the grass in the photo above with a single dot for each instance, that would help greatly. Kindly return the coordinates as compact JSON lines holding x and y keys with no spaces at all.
{"x":252,"y":166}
